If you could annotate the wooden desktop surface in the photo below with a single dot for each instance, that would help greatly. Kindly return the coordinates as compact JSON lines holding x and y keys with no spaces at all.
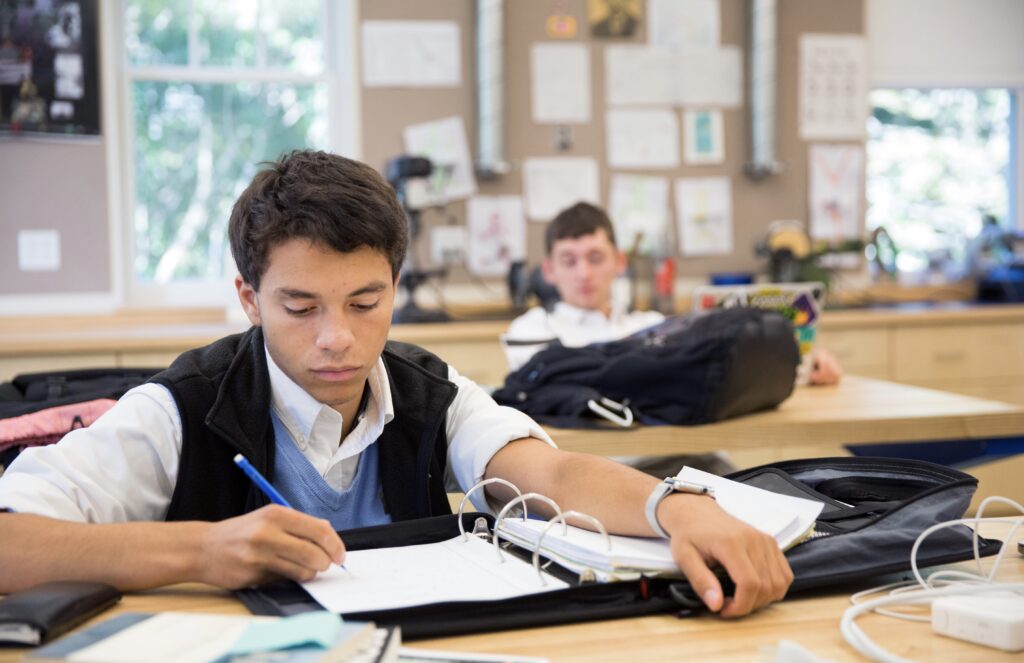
{"x":812,"y":621}
{"x":856,"y":411}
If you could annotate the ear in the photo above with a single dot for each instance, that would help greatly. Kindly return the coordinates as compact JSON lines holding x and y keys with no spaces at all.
{"x":620,"y":262}
{"x":547,"y":270}
{"x":247,"y":297}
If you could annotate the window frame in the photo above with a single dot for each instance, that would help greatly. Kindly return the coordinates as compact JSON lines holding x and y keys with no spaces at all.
{"x":339,"y":76}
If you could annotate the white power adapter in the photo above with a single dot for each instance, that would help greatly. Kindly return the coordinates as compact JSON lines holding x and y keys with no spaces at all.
{"x":993,"y":619}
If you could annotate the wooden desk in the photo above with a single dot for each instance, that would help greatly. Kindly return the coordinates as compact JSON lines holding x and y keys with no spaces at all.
{"x":812,"y":621}
{"x":856,"y":411}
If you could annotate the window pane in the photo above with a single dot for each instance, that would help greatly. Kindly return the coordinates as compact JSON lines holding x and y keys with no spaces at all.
{"x":937,"y":163}
{"x":196,"y":148}
{"x":156,"y":31}
{"x":275,"y":33}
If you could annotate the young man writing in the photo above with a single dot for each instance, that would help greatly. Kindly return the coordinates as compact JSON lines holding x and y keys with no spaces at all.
{"x":582,"y":262}
{"x":351,"y":429}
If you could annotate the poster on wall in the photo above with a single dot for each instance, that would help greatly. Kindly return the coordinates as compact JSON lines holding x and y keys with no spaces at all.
{"x":704,"y":214}
{"x":834,"y":190}
{"x":833,"y":87}
{"x":613,"y":18}
{"x":639,"y":210}
{"x":49,"y":70}
{"x":497,"y":234}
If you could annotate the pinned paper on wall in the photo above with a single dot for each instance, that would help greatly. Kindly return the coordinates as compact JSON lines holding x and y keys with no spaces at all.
{"x":497,"y":234}
{"x":710,"y":77}
{"x":704,"y":215}
{"x":833,"y":87}
{"x":411,"y":54}
{"x":560,"y":79}
{"x":690,"y":24}
{"x":703,"y":137}
{"x":552,"y":184}
{"x":642,"y":138}
{"x":639,"y":212}
{"x":640,"y":75}
{"x":449,"y":245}
{"x":835,"y":190}
{"x":444,"y":143}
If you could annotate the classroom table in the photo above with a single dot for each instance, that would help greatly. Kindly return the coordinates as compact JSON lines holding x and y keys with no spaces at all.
{"x":818,"y":420}
{"x":811,"y":620}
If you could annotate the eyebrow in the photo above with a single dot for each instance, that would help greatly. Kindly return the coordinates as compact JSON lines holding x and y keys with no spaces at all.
{"x":295,"y":293}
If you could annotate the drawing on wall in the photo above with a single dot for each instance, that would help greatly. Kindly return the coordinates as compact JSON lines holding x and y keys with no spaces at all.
{"x":444,"y":143}
{"x":613,"y":18}
{"x":834,"y":191}
{"x":703,"y":137}
{"x":704,"y":215}
{"x":639,"y":212}
{"x":49,"y":69}
{"x":497,"y":234}
{"x":550,"y":184}
{"x":411,"y":54}
{"x":678,"y":25}
{"x":833,"y":87}
{"x":646,"y":138}
{"x":560,"y":83}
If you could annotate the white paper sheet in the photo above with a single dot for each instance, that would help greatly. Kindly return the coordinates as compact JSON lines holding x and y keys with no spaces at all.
{"x":639,"y":206}
{"x":449,"y":245}
{"x":710,"y":77}
{"x":444,"y":142}
{"x":640,"y":75}
{"x":452,"y":570}
{"x":833,"y":87}
{"x":683,"y":24}
{"x":703,"y":137}
{"x":551,"y":184}
{"x":704,"y":215}
{"x":560,"y":77}
{"x":497,"y":234}
{"x":834,"y":191}
{"x":642,"y":138}
{"x":411,"y":54}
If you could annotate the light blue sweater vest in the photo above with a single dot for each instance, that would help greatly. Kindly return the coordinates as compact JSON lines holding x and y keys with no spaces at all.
{"x":298,"y":481}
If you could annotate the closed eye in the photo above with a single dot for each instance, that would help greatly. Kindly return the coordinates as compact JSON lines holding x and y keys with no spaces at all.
{"x":365,"y":307}
{"x":299,"y":312}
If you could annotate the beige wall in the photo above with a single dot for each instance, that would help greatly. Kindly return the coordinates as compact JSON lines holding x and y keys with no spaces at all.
{"x":755,"y":204}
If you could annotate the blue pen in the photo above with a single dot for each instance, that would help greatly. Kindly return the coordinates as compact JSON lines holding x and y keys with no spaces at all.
{"x":261,"y":482}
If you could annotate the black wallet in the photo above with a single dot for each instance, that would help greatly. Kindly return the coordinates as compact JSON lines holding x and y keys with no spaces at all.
{"x":41,"y":613}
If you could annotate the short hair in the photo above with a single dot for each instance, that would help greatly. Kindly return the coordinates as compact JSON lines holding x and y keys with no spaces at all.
{"x":576,"y":221}
{"x":330,"y":200}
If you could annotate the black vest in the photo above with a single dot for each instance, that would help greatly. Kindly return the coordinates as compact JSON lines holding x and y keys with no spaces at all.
{"x":223,"y":396}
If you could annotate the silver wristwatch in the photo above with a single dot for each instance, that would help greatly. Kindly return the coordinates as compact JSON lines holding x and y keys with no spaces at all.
{"x":664,"y":489}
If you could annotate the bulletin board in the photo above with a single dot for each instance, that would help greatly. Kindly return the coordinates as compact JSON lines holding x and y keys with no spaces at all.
{"x":755,"y":204}
{"x":49,"y":71}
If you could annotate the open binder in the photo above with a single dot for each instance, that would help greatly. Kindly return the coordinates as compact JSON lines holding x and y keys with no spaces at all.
{"x":874,"y":510}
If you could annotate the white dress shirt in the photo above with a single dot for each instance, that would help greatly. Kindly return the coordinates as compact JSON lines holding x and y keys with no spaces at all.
{"x":125,"y":465}
{"x":574,"y":327}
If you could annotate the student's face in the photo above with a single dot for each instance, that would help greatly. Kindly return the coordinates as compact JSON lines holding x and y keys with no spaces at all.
{"x":582,"y":270}
{"x":325,"y":316}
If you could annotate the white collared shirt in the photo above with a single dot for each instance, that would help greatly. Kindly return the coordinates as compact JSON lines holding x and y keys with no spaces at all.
{"x":125,"y":465}
{"x":574,"y":327}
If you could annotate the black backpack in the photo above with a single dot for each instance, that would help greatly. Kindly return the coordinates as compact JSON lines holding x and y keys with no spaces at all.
{"x":687,"y":370}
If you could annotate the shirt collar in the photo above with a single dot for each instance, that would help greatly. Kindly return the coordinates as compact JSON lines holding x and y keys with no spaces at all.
{"x":299,"y":411}
{"x":580,"y":315}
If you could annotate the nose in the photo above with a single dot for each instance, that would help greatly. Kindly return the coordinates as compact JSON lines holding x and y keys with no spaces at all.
{"x":334,"y":333}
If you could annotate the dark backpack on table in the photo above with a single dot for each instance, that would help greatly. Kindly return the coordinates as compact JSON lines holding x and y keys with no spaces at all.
{"x":687,"y":370}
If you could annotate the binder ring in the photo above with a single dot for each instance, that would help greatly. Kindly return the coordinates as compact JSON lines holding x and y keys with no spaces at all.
{"x":508,"y":507}
{"x":480,"y":484}
{"x":564,"y":518}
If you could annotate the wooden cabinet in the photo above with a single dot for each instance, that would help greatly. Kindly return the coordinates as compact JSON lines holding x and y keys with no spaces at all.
{"x":859,"y":351}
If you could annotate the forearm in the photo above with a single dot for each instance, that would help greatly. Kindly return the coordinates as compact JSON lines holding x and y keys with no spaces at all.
{"x":127,"y":555}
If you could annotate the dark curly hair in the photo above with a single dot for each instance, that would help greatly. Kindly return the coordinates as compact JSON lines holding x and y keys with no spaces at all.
{"x":576,"y":221}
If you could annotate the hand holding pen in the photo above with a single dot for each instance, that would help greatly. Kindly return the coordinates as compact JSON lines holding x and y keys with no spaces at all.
{"x":268,"y":489}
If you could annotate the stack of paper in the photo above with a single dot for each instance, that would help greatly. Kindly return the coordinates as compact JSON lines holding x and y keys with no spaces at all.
{"x":788,"y":519}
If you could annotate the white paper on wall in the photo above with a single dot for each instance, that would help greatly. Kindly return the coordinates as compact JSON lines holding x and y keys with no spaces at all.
{"x":833,"y":87}
{"x":411,"y":54}
{"x":449,"y":245}
{"x":639,"y":209}
{"x":710,"y":77}
{"x":560,"y":82}
{"x":642,"y":138}
{"x":551,"y":184}
{"x":704,"y":215}
{"x":703,"y":137}
{"x":835,"y":188}
{"x":640,"y":75}
{"x":444,"y":143}
{"x":497,"y":234}
{"x":680,"y":24}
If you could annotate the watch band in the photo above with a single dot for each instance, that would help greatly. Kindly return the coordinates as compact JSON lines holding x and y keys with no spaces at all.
{"x":662,"y":490}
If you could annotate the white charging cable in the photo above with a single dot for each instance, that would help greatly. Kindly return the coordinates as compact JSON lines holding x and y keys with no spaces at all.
{"x":950,"y":582}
